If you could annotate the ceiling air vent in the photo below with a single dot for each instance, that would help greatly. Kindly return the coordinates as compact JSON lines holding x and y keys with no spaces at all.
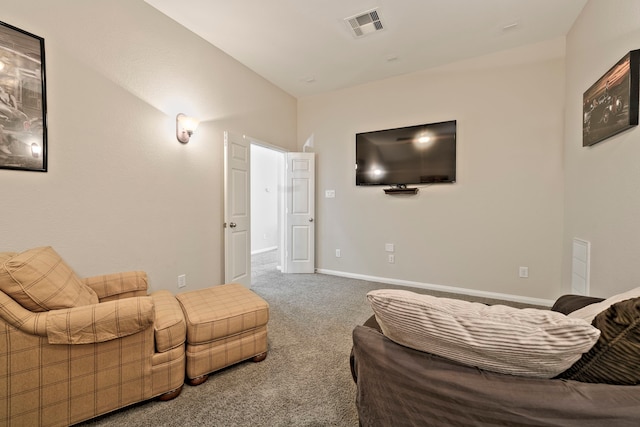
{"x":364,"y":23}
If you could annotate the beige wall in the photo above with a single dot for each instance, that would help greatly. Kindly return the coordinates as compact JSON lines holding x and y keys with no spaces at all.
{"x":505,"y":211}
{"x":602,"y":201}
{"x":121,"y":192}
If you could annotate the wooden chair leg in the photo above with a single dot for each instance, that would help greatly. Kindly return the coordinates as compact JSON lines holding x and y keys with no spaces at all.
{"x":170,"y":395}
{"x":260,"y":357}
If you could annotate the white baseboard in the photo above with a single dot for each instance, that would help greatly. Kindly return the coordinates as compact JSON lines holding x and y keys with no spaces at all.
{"x":441,"y":288}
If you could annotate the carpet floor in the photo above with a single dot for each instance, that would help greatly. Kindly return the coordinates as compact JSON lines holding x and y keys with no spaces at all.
{"x":305,"y":379}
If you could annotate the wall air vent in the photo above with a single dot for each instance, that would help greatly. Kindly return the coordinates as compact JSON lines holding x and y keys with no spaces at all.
{"x":364,"y":23}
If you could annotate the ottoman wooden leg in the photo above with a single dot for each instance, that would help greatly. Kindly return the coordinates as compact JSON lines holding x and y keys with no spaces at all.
{"x":260,"y":357}
{"x":197,"y":380}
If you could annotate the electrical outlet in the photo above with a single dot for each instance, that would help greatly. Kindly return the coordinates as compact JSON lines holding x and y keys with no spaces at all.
{"x":392,"y":259}
{"x":523,"y":272}
{"x":338,"y":253}
{"x":182,"y":281}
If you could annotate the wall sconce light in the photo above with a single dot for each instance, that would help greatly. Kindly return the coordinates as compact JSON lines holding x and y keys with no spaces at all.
{"x":185,"y":126}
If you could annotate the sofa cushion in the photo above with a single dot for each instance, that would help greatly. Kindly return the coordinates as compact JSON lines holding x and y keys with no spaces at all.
{"x":615,"y":357}
{"x":526,"y":342}
{"x":39,"y":280}
{"x":589,"y":312}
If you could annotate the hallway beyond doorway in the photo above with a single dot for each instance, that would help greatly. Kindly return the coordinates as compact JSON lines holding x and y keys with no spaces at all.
{"x":264,"y":262}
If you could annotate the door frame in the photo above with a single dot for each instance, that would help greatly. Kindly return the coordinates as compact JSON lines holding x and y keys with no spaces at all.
{"x":282,"y":199}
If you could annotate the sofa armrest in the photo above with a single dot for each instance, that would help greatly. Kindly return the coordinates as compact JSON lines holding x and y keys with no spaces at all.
{"x":397,"y":384}
{"x":99,"y":322}
{"x":170,"y":326}
{"x":570,"y":303}
{"x":116,"y":286}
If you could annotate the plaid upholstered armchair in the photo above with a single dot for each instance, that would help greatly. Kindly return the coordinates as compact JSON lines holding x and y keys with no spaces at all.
{"x":72,"y":349}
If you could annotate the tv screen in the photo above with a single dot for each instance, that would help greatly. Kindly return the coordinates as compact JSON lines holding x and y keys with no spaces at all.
{"x":422,"y":154}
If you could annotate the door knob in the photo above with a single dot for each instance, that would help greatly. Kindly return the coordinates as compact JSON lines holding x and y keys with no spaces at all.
{"x":310,"y":219}
{"x":232,"y":224}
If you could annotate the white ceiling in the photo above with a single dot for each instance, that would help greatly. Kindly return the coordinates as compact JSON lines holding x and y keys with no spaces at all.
{"x":305,"y":47}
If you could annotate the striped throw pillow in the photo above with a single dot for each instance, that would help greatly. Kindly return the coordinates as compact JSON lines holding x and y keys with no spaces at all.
{"x":615,"y":358}
{"x":526,"y":342}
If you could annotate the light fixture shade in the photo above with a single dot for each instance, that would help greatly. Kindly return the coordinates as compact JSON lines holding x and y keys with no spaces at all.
{"x":185,"y":126}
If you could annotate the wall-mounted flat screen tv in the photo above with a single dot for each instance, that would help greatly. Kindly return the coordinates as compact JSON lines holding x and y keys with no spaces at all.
{"x":422,"y":154}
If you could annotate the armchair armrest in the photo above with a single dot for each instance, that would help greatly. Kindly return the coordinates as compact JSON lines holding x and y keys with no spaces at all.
{"x":99,"y":322}
{"x":170,"y":326}
{"x":115,"y":286}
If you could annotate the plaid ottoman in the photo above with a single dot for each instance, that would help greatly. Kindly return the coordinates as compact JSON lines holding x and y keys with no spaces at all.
{"x":226,"y":324}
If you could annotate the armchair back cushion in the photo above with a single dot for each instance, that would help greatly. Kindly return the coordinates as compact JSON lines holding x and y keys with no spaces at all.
{"x":39,"y":280}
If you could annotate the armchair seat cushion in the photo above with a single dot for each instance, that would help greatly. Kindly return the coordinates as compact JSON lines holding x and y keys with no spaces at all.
{"x":39,"y":280}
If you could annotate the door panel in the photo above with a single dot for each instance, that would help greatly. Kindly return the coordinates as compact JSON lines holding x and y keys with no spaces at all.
{"x":240,"y":247}
{"x":300,"y":244}
{"x":300,"y":213}
{"x":300,"y":195}
{"x":237,"y":208}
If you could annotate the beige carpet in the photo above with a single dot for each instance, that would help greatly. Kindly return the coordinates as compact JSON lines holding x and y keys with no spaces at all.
{"x":305,"y":380}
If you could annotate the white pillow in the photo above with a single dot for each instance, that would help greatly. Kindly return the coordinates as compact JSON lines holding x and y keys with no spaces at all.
{"x":589,"y":312}
{"x":526,"y":342}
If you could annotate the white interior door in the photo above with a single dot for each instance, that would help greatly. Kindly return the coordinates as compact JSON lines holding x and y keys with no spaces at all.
{"x":299,"y":213}
{"x":237,"y":209}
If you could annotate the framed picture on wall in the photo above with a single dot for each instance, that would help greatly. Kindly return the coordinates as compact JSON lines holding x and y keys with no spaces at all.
{"x":23,"y":106}
{"x":610,"y":105}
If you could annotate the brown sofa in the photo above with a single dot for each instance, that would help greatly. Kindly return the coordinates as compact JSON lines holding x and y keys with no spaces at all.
{"x":400,"y":386}
{"x":86,"y":348}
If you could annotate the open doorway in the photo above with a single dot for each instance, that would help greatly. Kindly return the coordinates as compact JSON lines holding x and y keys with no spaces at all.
{"x":254,"y":189}
{"x":267,"y":177}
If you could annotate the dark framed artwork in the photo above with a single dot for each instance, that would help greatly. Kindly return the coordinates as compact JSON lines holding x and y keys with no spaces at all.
{"x":610,"y":105}
{"x":23,"y":106}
